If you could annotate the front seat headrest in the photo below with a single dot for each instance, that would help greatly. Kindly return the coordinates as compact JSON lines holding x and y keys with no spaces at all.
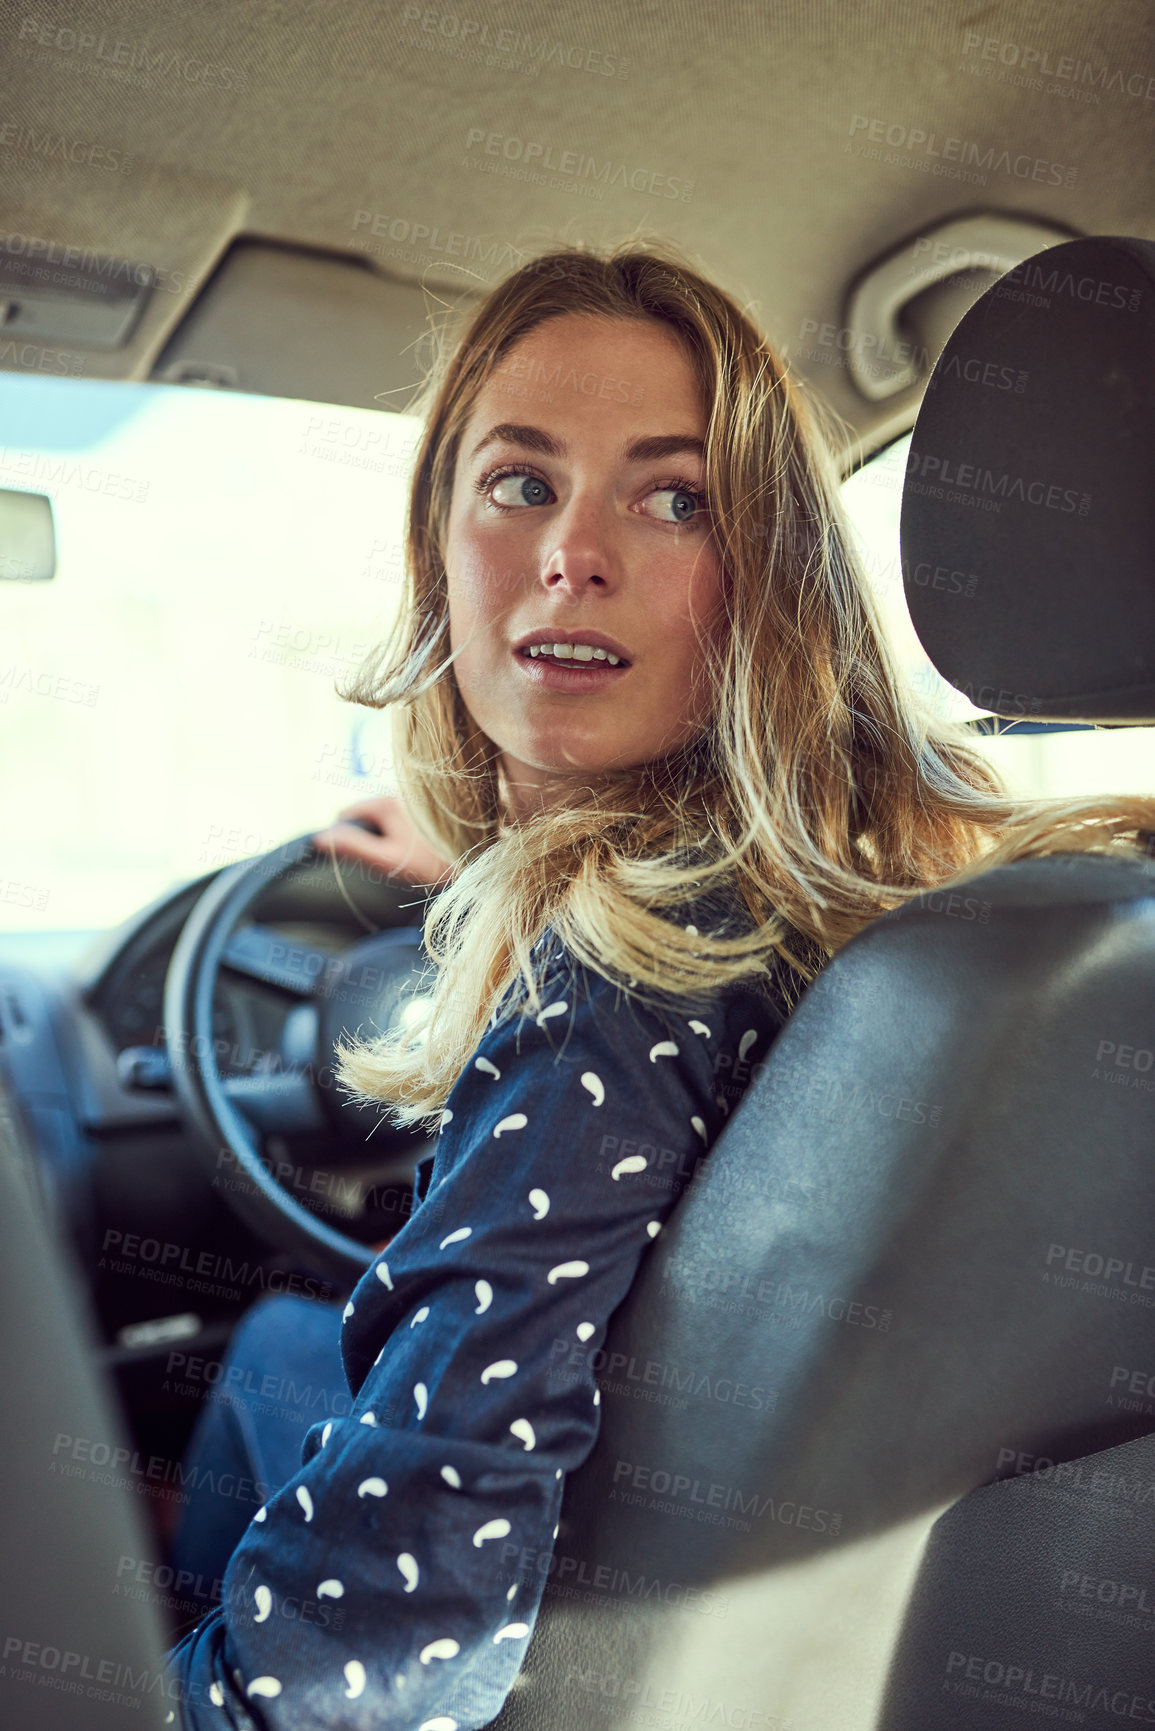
{"x":1028,"y":510}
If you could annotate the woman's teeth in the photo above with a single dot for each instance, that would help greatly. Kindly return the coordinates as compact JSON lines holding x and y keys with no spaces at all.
{"x":573,"y":652}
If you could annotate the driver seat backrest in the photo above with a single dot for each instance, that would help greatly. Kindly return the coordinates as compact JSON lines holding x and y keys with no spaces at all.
{"x":877,"y":1445}
{"x":82,"y":1647}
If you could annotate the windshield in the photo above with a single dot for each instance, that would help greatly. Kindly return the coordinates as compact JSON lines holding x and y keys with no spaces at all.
{"x":167,"y":702}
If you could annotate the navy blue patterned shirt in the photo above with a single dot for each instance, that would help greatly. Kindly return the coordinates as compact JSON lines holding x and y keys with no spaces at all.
{"x":471,"y":1348}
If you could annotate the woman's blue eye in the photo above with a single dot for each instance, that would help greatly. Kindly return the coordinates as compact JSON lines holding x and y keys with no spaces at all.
{"x":683,"y":505}
{"x":526,"y":490}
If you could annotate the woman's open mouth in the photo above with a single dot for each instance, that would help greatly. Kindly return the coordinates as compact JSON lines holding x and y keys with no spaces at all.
{"x":570,"y":673}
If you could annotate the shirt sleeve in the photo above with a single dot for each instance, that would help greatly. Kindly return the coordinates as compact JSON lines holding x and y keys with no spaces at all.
{"x":420,"y":1527}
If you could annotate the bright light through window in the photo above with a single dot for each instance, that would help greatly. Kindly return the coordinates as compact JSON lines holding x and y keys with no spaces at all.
{"x":873,"y":500}
{"x":167,"y":702}
{"x":1061,"y":764}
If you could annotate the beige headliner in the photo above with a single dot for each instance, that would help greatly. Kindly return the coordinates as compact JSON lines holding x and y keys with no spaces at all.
{"x":373,"y":107}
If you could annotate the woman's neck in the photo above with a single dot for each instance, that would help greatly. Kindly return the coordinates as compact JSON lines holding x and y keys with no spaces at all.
{"x":522,"y":798}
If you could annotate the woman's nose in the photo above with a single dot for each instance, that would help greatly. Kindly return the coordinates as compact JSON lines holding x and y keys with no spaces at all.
{"x":581,"y":546}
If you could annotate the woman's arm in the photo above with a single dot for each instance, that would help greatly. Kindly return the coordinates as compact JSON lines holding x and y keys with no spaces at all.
{"x":394,"y":1582}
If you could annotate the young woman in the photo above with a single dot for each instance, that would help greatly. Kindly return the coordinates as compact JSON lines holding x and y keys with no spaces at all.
{"x":658,"y":754}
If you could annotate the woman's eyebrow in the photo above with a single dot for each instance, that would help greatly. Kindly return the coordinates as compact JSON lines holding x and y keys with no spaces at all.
{"x":647,"y":450}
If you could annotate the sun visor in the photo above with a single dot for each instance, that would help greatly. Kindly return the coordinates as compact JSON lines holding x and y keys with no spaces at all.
{"x":1028,"y":509}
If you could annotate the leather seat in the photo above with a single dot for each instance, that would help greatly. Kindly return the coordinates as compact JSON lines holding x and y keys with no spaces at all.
{"x":83,"y":1644}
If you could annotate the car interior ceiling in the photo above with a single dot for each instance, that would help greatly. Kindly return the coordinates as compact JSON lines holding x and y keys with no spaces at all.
{"x":310,"y":206}
{"x":311,"y":183}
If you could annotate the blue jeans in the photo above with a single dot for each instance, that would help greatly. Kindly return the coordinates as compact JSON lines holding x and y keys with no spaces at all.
{"x":281,"y":1375}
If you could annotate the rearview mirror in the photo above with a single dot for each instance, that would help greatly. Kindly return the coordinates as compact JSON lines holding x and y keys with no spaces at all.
{"x":27,"y":537}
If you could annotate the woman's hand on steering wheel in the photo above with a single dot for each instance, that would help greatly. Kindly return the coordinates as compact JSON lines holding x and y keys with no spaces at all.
{"x":396,"y":849}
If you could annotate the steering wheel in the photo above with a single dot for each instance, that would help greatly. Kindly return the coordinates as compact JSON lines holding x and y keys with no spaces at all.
{"x":366,"y":986}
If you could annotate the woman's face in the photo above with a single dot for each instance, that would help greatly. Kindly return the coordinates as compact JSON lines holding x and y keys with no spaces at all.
{"x":578,"y":514}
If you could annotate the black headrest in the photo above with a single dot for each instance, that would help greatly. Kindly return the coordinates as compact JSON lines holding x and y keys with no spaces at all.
{"x":1028,"y":510}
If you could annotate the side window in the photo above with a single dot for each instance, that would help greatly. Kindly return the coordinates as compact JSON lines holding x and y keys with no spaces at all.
{"x":1036,"y":761}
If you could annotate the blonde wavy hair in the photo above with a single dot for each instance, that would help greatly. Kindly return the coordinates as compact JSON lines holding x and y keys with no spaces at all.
{"x":823,"y":792}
